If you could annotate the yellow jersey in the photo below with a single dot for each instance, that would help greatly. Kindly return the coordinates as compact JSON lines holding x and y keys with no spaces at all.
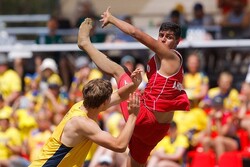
{"x":196,"y":119}
{"x":113,"y":123}
{"x":11,"y":137}
{"x":26,"y":122}
{"x":36,"y":140}
{"x":171,"y":147}
{"x":55,"y":153}
{"x":193,"y":83}
{"x":9,"y":82}
{"x":231,"y":100}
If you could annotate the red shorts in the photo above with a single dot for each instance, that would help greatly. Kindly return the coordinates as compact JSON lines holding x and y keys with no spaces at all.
{"x":147,"y":133}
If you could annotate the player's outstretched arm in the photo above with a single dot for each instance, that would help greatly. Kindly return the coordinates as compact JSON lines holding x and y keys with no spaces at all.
{"x":105,"y":139}
{"x":158,"y":47}
{"x":150,"y":42}
{"x":108,"y":18}
{"x":123,"y":93}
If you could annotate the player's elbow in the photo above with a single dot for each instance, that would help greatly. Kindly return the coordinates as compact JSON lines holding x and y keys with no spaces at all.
{"x":136,"y":33}
{"x":133,"y":33}
{"x":121,"y":149}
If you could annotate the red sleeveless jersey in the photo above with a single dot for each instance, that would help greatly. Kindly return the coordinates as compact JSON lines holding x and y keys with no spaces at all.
{"x":164,"y":93}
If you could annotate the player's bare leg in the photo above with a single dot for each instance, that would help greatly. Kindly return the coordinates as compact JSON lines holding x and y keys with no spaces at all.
{"x":101,"y":60}
{"x":83,"y":33}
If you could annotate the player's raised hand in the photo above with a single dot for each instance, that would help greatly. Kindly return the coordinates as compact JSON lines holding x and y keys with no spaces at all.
{"x":134,"y":103}
{"x":136,"y":76}
{"x":105,"y":17}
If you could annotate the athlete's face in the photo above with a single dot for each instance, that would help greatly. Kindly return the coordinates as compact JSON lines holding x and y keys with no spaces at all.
{"x":168,"y":38}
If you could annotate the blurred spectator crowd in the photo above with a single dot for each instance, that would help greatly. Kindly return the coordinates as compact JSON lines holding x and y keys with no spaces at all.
{"x":36,"y":92}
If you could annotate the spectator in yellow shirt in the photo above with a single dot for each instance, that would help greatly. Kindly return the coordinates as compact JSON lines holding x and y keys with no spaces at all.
{"x":192,"y":123}
{"x":10,"y":142}
{"x":170,"y":150}
{"x":84,"y":73}
{"x":10,"y":81}
{"x":38,"y":136}
{"x":48,"y":73}
{"x":195,"y":82}
{"x":55,"y":102}
{"x":24,"y":119}
{"x":4,"y":109}
{"x":225,"y":91}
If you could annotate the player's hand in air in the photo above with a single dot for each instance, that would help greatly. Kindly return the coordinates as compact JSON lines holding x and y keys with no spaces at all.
{"x":105,"y":17}
{"x":136,"y":76}
{"x":134,"y":103}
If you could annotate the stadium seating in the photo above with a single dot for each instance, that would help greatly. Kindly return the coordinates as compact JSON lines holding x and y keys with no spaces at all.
{"x":203,"y":159}
{"x":243,"y":135}
{"x":230,"y":159}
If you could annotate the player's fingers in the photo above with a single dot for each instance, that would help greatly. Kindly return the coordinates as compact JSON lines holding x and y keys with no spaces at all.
{"x":137,"y":99}
{"x":130,"y":100}
{"x":134,"y":99}
{"x":139,"y":69}
{"x":108,"y":9}
{"x":131,"y":97}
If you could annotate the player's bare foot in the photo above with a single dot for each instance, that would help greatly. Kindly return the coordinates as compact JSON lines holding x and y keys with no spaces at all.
{"x":83,"y":33}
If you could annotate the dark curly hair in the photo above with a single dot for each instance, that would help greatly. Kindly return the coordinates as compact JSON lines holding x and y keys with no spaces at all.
{"x":172,"y":27}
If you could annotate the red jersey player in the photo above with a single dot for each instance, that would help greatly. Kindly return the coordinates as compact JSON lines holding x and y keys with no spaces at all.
{"x":163,"y":94}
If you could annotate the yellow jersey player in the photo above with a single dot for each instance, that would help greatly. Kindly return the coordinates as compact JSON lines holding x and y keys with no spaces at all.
{"x":73,"y":137}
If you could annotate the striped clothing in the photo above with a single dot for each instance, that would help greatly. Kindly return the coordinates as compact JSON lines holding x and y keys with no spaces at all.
{"x":164,"y":93}
{"x":55,"y":153}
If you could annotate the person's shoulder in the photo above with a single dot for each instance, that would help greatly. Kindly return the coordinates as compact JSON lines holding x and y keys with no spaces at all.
{"x":182,"y":137}
{"x":13,"y":131}
{"x":177,"y":54}
{"x":182,"y":140}
{"x":80,"y":122}
{"x":77,"y":106}
{"x":11,"y":74}
{"x":203,"y":74}
{"x":55,"y":79}
{"x":196,"y":110}
{"x":234,"y":91}
{"x":214,"y":91}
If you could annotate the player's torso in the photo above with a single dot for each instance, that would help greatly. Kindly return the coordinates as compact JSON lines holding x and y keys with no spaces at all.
{"x":160,"y":84}
{"x":55,"y":153}
{"x":164,"y":93}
